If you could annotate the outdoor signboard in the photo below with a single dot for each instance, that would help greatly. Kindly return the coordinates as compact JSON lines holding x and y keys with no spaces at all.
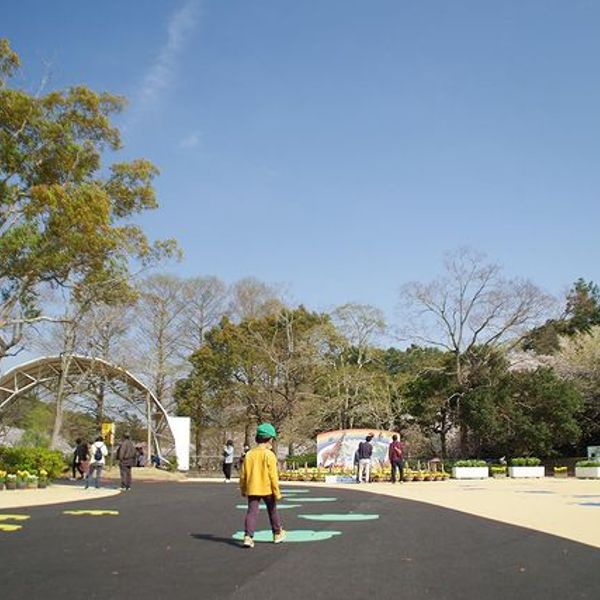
{"x":108,"y":433}
{"x":593,"y":451}
{"x":337,"y":448}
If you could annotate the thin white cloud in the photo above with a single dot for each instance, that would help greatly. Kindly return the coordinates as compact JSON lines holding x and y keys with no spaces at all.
{"x":161,"y":74}
{"x":191,"y":140}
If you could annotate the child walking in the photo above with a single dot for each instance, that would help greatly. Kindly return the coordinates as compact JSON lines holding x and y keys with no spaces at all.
{"x":259,"y":481}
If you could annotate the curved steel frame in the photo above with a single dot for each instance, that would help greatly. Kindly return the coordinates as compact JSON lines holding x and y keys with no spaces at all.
{"x":26,"y":376}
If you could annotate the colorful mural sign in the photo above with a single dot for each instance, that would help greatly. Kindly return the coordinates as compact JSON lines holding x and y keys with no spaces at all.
{"x":337,"y":448}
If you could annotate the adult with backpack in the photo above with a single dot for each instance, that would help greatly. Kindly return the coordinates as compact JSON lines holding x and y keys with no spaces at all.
{"x":126,"y":455}
{"x":98,"y":453}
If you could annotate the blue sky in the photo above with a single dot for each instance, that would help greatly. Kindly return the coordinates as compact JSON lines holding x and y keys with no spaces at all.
{"x":339,"y":146}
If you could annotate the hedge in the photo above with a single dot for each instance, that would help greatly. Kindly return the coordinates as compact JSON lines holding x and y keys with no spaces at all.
{"x":302,"y":459}
{"x":31,"y":460}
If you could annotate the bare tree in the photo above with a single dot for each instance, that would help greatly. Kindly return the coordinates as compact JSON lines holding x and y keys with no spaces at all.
{"x":253,"y":299}
{"x":159,"y":317}
{"x":361,"y":325}
{"x":470,"y":307}
{"x":205,"y":304}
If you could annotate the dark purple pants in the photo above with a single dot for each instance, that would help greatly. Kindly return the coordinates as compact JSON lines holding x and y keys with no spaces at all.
{"x":252,"y":514}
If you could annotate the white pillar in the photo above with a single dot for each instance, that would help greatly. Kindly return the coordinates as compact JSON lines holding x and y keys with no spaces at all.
{"x":180,"y":428}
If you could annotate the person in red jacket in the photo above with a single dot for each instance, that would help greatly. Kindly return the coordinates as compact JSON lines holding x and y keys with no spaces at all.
{"x":396,"y":455}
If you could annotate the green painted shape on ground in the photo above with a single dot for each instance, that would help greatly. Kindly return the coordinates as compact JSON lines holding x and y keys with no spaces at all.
{"x":91,"y":513}
{"x":340,"y":517}
{"x":294,"y":491}
{"x":14,"y":517}
{"x":303,"y":500}
{"x":263,"y":506}
{"x":295,"y":535}
{"x":8,"y":528}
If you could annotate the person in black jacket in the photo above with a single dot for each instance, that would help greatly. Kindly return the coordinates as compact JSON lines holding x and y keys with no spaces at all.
{"x":126,"y":455}
{"x":80,"y":459}
{"x":365,"y":451}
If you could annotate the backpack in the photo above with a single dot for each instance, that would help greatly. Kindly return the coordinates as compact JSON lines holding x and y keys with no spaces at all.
{"x":98,"y":454}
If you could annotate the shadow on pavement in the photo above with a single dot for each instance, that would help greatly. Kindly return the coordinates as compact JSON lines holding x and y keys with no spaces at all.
{"x":215,"y":538}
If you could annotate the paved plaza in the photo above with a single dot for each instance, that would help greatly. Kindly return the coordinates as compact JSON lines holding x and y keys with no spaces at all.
{"x":179,"y":540}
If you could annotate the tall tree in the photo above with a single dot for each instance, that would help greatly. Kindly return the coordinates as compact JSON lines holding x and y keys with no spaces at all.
{"x":471,"y":307}
{"x":253,"y":299}
{"x":64,"y":213}
{"x":160,"y":314}
{"x":205,"y":301}
{"x":259,"y":369}
{"x":581,"y":313}
{"x":578,"y":360}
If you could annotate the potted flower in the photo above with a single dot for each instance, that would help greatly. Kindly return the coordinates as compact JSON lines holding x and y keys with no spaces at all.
{"x":11,"y":481}
{"x":408,"y":475}
{"x":22,"y":477}
{"x":43,"y":479}
{"x":526,"y":466}
{"x":587,"y":469}
{"x":560,"y":471}
{"x":32,"y":482}
{"x":498,"y":471}
{"x":470,"y":469}
{"x":2,"y":479}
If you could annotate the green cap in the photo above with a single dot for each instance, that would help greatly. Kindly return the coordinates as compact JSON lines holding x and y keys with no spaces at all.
{"x":266,"y":430}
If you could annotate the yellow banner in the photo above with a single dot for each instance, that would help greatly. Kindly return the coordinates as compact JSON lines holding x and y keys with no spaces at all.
{"x":108,"y":433}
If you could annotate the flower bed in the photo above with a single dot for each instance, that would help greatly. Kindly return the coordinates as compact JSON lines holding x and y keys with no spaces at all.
{"x":587,"y":469}
{"x":338,"y":475}
{"x":22,"y":480}
{"x":526,"y":467}
{"x":470,"y":469}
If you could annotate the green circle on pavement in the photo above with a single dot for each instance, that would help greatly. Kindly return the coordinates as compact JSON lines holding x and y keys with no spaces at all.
{"x":295,"y":535}
{"x":263,"y":506}
{"x":340,"y":517}
{"x":303,"y":500}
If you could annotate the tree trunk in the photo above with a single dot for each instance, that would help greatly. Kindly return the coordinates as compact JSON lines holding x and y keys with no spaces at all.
{"x":60,"y":393}
{"x":248,"y":438}
{"x":198,"y":443}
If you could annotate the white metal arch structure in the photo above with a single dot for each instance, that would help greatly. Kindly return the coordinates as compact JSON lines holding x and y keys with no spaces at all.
{"x":42,"y":373}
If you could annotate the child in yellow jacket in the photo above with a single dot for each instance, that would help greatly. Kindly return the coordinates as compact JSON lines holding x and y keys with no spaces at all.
{"x":259,"y":481}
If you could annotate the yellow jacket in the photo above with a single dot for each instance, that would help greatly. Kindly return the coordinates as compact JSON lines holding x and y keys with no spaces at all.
{"x":258,"y":476}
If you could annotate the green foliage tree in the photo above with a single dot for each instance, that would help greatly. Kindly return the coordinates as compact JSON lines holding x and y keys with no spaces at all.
{"x":534,"y":413}
{"x":258,"y":370}
{"x":582,"y":312}
{"x":578,"y":360}
{"x":64,"y":215}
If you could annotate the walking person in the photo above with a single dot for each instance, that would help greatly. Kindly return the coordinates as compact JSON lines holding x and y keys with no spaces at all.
{"x":80,"y":456}
{"x":245,"y":451}
{"x":126,"y":455}
{"x":365,"y":451}
{"x":98,"y":453}
{"x":228,"y":460}
{"x":259,"y":481}
{"x":396,"y":455}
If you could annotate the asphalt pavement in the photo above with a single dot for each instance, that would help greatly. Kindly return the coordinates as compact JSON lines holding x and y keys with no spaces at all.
{"x":173,"y":540}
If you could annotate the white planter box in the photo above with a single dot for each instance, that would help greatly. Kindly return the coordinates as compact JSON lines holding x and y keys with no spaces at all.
{"x":339,"y":479}
{"x":470,"y":472}
{"x":526,"y":471}
{"x":587,"y":472}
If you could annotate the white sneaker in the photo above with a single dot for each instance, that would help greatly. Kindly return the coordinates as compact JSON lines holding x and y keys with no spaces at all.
{"x":248,"y":542}
{"x":279,"y":537}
